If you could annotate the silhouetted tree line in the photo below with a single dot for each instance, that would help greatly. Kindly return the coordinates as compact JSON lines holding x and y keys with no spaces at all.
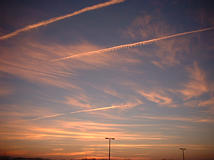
{"x":20,"y":158}
{"x":92,"y":159}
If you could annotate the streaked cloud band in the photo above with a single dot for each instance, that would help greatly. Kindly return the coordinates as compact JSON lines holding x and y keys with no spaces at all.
{"x":87,"y":110}
{"x":52,"y":20}
{"x":133,"y":44}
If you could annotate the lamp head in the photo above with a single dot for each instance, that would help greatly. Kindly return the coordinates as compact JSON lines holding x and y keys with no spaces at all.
{"x":110,"y":138}
{"x":183,"y":149}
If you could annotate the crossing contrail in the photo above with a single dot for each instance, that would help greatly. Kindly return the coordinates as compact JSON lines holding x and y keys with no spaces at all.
{"x":129,"y":45}
{"x":82,"y":111}
{"x":51,"y":20}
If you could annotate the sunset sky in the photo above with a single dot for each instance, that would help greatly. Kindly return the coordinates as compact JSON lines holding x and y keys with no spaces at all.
{"x":72,"y":73}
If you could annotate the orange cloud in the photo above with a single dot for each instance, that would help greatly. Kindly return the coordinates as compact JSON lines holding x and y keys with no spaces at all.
{"x":78,"y":101}
{"x":208,"y":103}
{"x":54,"y":134}
{"x":31,"y":62}
{"x":78,"y":130}
{"x":89,"y":125}
{"x":58,"y":149}
{"x":68,"y":153}
{"x":185,"y":119}
{"x":156,"y":97}
{"x":197,"y":84}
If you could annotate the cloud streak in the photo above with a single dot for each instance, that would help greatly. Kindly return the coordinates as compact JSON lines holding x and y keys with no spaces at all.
{"x":88,"y":110}
{"x":133,"y":44}
{"x":52,"y":20}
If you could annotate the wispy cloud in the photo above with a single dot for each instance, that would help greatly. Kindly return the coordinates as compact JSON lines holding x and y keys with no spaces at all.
{"x":132,"y":44}
{"x":128,"y":105}
{"x":27,"y":64}
{"x":156,"y":97}
{"x":184,"y":119}
{"x":68,"y":153}
{"x":208,"y":102}
{"x":197,"y":84}
{"x":31,"y":62}
{"x":90,"y":125}
{"x":54,"y":133}
{"x":79,"y":130}
{"x":78,"y":101}
{"x":52,"y":20}
{"x":164,"y":53}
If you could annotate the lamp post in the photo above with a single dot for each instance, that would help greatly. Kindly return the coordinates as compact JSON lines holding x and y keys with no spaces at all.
{"x":109,"y":146}
{"x":183,"y":149}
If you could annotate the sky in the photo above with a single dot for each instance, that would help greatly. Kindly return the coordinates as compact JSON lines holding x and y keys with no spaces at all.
{"x":75,"y":72}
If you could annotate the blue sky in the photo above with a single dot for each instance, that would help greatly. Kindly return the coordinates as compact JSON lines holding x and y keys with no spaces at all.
{"x":153,"y":98}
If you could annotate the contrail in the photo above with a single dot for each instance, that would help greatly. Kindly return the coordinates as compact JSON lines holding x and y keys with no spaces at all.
{"x":46,"y":22}
{"x":129,"y":45}
{"x":80,"y":111}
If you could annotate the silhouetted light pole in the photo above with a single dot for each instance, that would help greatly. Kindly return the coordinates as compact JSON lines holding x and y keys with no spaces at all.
{"x":183,"y":149}
{"x":109,"y":146}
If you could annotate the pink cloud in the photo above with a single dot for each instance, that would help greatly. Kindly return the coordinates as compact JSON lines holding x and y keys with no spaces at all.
{"x":31,"y":60}
{"x":166,"y":53}
{"x":209,"y":102}
{"x":156,"y":97}
{"x":197,"y":84}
